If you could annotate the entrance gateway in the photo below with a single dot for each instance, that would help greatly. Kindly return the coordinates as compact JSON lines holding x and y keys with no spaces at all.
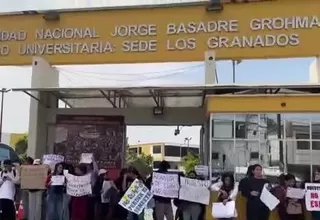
{"x":187,"y":32}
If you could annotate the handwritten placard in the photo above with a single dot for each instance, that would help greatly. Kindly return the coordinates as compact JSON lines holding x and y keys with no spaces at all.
{"x":295,"y":193}
{"x":52,"y":159}
{"x":86,"y":158}
{"x":312,"y":196}
{"x":57,"y":180}
{"x":78,"y":185}
{"x":136,"y":197}
{"x":33,"y":177}
{"x":202,"y":170}
{"x":194,"y":190}
{"x":165,"y":185}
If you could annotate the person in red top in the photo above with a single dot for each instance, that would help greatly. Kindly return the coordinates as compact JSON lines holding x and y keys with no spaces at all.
{"x":79,"y":205}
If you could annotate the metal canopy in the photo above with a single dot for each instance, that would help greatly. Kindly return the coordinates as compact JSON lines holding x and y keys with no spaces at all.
{"x":162,"y":96}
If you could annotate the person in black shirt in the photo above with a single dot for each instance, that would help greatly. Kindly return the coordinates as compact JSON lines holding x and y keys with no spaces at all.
{"x":163,"y":206}
{"x":256,"y":209}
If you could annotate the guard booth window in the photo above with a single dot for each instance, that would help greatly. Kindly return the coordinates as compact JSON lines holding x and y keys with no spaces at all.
{"x":171,"y":151}
{"x":133,"y":150}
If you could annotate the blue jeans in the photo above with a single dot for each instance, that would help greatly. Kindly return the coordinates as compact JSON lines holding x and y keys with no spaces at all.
{"x":55,"y":206}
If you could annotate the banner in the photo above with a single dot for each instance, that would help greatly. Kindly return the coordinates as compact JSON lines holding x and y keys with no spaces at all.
{"x":194,"y":190}
{"x":52,"y":159}
{"x":104,"y":136}
{"x":165,"y":185}
{"x":312,"y":196}
{"x":79,"y":185}
{"x":33,"y":177}
{"x":136,"y":197}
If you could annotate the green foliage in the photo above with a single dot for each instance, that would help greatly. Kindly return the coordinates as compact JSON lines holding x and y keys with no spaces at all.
{"x":190,"y":161}
{"x":21,"y":147}
{"x":142,"y":162}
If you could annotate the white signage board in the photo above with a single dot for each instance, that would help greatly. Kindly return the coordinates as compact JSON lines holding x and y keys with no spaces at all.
{"x":194,"y":190}
{"x":312,"y":196}
{"x":165,"y":185}
{"x":57,"y":180}
{"x":268,"y":199}
{"x":86,"y":158}
{"x":295,"y":193}
{"x":136,"y":197}
{"x":221,"y":211}
{"x":52,"y":159}
{"x":202,"y":170}
{"x":78,"y":185}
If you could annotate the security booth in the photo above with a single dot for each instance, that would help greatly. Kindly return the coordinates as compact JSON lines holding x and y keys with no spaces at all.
{"x":274,"y":126}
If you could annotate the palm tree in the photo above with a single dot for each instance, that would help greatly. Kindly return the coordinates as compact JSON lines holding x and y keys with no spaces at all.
{"x":21,"y":146}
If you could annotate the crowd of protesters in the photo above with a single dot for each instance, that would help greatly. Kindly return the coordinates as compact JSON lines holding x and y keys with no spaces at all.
{"x":103,"y":204}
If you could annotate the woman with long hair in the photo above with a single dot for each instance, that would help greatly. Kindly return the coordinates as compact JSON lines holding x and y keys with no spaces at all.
{"x":55,"y":195}
{"x":227,"y":188}
{"x":256,"y":209}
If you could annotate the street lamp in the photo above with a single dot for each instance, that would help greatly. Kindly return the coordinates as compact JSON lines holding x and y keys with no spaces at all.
{"x":187,"y":141}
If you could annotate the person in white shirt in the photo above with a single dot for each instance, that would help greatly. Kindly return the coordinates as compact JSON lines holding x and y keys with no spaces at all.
{"x":8,"y":180}
{"x":227,"y":188}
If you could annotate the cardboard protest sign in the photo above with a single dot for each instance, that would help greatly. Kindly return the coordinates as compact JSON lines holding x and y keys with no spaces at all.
{"x":165,"y":185}
{"x":86,"y":158}
{"x":33,"y":177}
{"x":312,"y":196}
{"x":78,"y":185}
{"x":295,"y":193}
{"x":136,"y":197}
{"x":194,"y":190}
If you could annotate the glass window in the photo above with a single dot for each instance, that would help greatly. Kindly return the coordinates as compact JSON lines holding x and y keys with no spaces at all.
{"x":171,"y":151}
{"x":184,"y":151}
{"x":133,"y":150}
{"x":156,"y":149}
{"x":156,"y":164}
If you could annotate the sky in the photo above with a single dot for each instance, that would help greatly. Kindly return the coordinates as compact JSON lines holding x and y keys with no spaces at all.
{"x":16,"y":105}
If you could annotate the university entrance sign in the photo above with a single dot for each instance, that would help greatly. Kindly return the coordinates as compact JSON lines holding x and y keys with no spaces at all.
{"x":164,"y":34}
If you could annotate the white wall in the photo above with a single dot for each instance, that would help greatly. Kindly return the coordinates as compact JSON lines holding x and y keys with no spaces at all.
{"x":314,"y":71}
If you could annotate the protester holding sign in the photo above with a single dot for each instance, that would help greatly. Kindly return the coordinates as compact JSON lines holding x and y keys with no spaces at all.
{"x":191,"y":205}
{"x":256,"y":209}
{"x":316,"y":214}
{"x":163,"y":207}
{"x":55,"y":192}
{"x":290,"y":206}
{"x":8,"y":179}
{"x":79,"y":204}
{"x":227,"y":189}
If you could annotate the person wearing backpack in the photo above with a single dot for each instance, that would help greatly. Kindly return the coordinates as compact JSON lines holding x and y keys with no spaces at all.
{"x":8,"y":180}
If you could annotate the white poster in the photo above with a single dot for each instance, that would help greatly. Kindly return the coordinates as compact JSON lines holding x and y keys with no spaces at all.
{"x":86,"y":158}
{"x":194,"y":190}
{"x":57,"y":180}
{"x":295,"y":193}
{"x":202,"y":170}
{"x":312,"y":196}
{"x":136,"y":197}
{"x":165,"y":185}
{"x":268,"y":199}
{"x":221,"y":211}
{"x":78,"y":185}
{"x":52,"y":159}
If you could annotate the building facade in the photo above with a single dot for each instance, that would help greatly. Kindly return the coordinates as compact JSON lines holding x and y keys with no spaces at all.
{"x":171,"y":152}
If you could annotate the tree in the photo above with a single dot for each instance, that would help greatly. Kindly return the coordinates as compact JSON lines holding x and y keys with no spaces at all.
{"x":142,"y":162}
{"x":21,"y":147}
{"x":190,"y":161}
